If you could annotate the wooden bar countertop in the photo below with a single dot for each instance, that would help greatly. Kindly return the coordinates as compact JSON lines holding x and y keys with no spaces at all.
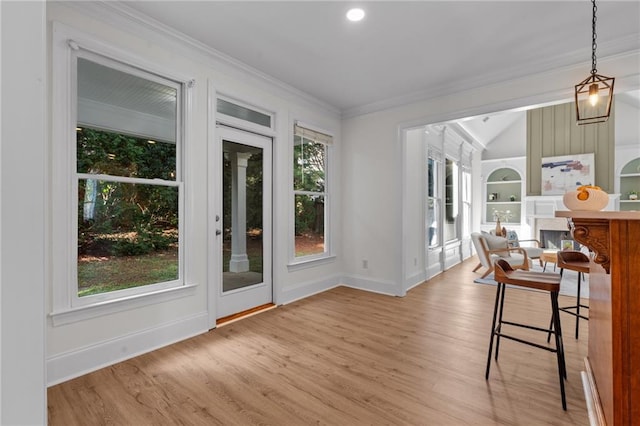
{"x":612,"y":385}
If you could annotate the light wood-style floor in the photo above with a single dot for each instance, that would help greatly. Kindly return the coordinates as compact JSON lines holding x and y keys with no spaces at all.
{"x":345,"y":357}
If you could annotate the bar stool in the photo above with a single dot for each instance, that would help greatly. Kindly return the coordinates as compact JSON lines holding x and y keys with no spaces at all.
{"x":544,"y":281}
{"x":579,"y":262}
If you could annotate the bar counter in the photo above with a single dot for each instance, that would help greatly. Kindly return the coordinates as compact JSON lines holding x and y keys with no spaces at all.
{"x":612,"y":376}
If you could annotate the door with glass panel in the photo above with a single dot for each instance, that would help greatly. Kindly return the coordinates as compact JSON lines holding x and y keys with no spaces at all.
{"x":243,"y":225}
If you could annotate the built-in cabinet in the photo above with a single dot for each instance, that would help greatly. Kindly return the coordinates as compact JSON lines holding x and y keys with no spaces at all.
{"x":503,"y":192}
{"x":503,"y":196}
{"x":630,"y":186}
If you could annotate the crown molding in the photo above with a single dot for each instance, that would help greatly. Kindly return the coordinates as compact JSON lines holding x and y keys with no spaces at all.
{"x":129,"y":20}
{"x":133,"y":22}
{"x":573,"y":60}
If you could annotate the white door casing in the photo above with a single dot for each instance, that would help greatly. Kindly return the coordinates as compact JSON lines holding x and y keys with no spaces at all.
{"x":244,"y":284}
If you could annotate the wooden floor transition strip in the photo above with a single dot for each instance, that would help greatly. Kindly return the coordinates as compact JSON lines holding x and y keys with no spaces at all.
{"x":244,"y":314}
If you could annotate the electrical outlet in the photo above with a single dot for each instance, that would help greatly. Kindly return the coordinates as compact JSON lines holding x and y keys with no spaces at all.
{"x":365,"y":264}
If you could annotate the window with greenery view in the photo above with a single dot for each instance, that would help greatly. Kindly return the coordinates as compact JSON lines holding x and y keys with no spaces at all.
{"x":128,"y":180}
{"x":309,"y":189}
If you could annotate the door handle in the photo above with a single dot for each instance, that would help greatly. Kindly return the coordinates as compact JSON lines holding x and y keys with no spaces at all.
{"x":218,"y":232}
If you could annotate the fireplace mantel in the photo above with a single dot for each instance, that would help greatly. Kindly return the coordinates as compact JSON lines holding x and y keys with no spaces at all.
{"x":540,"y":212}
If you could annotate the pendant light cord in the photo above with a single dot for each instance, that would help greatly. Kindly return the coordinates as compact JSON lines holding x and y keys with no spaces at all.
{"x":594,"y":45}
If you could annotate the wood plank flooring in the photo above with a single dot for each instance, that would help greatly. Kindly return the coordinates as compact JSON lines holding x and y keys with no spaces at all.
{"x":345,"y":357}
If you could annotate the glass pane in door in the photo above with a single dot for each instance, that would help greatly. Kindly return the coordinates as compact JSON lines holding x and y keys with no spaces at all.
{"x":242,"y":185}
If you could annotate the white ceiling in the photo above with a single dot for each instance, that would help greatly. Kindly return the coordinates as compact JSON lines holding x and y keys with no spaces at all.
{"x":402,"y":51}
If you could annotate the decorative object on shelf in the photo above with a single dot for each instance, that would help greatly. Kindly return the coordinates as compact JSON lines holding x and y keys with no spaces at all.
{"x":512,"y":197}
{"x":589,"y":107}
{"x":633,"y":195}
{"x":494,"y":196}
{"x":586,"y":197}
{"x":504,"y":216}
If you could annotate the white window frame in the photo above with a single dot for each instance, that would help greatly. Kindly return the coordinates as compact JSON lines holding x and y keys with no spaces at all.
{"x":437,"y":198}
{"x":456,"y":189}
{"x":298,"y":262}
{"x":467,"y":198}
{"x":244,"y":124}
{"x":67,"y":307}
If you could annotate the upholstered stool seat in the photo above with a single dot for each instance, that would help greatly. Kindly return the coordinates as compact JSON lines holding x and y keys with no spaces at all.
{"x":543,"y":281}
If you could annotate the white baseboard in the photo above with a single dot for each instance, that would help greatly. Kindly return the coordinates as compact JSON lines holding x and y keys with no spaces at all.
{"x":377,"y":286}
{"x":304,"y":290}
{"x":415,"y":280}
{"x":308,"y":288}
{"x":69,"y":365}
{"x":433,"y":270}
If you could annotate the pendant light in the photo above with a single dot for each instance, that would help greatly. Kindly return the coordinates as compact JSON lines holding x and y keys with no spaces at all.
{"x":594,"y":94}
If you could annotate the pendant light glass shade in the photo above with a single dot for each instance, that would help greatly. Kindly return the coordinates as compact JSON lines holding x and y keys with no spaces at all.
{"x":594,"y":94}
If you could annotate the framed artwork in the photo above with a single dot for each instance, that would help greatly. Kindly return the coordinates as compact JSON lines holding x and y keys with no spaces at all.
{"x":566,"y":173}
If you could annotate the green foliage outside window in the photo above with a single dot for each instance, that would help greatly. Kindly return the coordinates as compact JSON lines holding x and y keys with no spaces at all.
{"x":123,"y":219}
{"x":309,"y":168}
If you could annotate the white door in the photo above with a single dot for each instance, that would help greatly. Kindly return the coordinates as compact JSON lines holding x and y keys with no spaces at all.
{"x":243,"y":222}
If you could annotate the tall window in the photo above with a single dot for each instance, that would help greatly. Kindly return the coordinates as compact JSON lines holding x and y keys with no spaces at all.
{"x":127,"y":180}
{"x":433,"y":200}
{"x":310,"y":191}
{"x":466,"y":201}
{"x":451,"y":200}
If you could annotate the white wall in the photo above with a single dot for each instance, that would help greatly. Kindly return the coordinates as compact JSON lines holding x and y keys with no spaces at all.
{"x":414,"y":192}
{"x":85,"y":345}
{"x":371,"y":204}
{"x":23,"y":135}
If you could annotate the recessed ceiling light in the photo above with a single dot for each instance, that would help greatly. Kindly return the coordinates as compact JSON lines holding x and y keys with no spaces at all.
{"x":355,"y":14}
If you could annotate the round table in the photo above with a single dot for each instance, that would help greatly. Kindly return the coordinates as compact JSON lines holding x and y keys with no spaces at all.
{"x":549,"y":256}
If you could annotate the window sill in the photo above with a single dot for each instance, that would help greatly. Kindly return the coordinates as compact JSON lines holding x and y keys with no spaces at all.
{"x":301,"y":263}
{"x":69,"y":316}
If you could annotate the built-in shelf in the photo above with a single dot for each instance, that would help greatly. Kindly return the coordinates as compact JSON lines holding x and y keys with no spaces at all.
{"x":504,"y":193}
{"x":503,"y":202}
{"x":629,"y":182}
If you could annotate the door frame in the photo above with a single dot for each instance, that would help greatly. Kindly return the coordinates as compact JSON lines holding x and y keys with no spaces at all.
{"x":222,"y":132}
{"x":214,"y":183}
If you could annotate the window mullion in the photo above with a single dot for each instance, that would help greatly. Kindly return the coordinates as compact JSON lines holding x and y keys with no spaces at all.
{"x":126,"y":179}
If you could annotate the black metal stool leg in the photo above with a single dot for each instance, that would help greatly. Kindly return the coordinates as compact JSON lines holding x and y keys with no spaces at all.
{"x":499,"y":328}
{"x":493,"y":330}
{"x":551,"y":321}
{"x":562,"y":369}
{"x":580,"y":274}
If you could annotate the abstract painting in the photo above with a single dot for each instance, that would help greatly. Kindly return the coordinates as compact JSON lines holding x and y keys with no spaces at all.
{"x":566,"y":173}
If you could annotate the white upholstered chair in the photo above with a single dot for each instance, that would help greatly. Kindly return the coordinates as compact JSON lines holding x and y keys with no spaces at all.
{"x":532,"y":247}
{"x":490,"y":248}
